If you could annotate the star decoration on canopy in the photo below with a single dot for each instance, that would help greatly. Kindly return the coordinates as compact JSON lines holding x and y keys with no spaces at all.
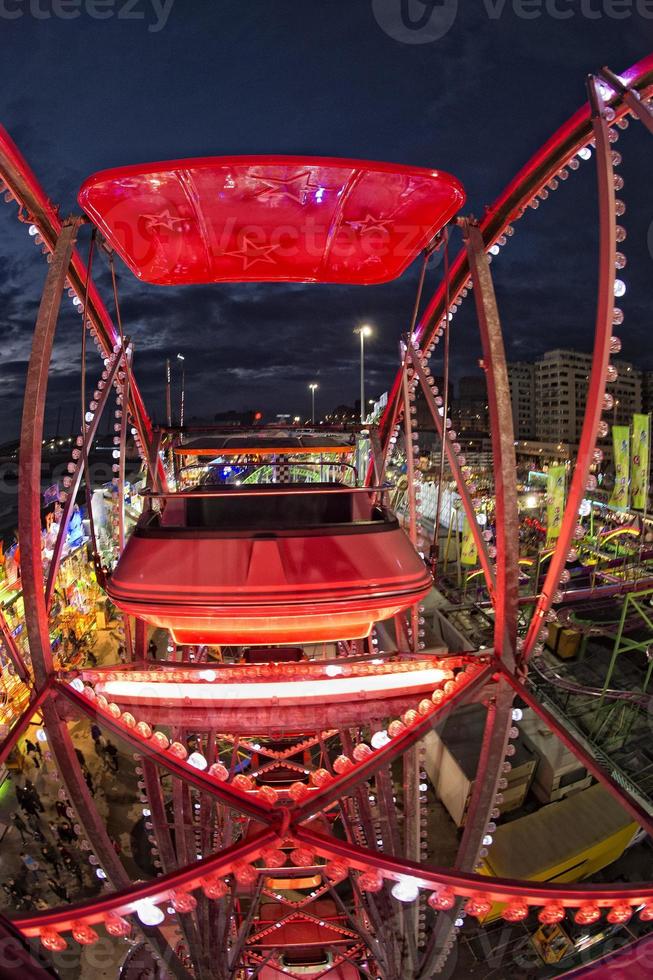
{"x":165,"y":220}
{"x":249,"y":252}
{"x":294,"y":188}
{"x":371,"y":223}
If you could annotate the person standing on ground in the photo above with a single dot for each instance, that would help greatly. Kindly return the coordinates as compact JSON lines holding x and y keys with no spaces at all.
{"x":20,"y":826}
{"x":151,"y":649}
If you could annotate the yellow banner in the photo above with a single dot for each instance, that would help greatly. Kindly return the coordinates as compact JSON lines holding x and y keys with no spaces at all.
{"x":639,"y":460}
{"x":468,"y":552}
{"x":621,"y":447}
{"x":555,"y":502}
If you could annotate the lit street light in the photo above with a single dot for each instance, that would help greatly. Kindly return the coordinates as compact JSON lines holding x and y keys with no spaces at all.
{"x":180,"y":357}
{"x":313,"y":388}
{"x":364,"y":331}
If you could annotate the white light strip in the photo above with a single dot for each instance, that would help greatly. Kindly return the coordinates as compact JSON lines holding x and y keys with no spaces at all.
{"x":340,"y":688}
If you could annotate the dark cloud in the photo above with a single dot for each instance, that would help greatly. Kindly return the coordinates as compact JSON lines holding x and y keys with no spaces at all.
{"x":323,"y":78}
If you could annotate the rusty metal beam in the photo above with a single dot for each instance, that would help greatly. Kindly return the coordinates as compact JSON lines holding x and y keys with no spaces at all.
{"x":503,"y":446}
{"x":90,"y":431}
{"x":31,"y":443}
{"x":461,"y":484}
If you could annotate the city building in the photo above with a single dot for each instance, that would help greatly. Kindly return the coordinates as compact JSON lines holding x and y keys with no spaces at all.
{"x":521,"y":377}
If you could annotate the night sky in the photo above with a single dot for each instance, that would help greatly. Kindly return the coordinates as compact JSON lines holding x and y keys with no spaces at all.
{"x":330,"y":77}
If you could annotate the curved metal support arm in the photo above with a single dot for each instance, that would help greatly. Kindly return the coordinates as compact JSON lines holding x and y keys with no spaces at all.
{"x":596,"y":390}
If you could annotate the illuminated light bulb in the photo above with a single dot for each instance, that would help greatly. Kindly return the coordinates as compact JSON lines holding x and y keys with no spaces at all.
{"x":143,"y":729}
{"x":646,"y":912}
{"x":320,"y":777}
{"x":183,"y":902}
{"x":128,"y":719}
{"x":245,"y":874}
{"x":617,"y":317}
{"x":620,"y":260}
{"x":478,"y":906}
{"x":115,"y":925}
{"x":208,"y":675}
{"x":77,"y":685}
{"x":336,"y":870}
{"x":379,"y":739}
{"x":160,"y":740}
{"x":102,"y":702}
{"x":608,"y":402}
{"x":343,"y":764}
{"x":298,"y":792}
{"x":437,"y":697}
{"x":218,"y":771}
{"x":597,"y":455}
{"x":178,"y":750}
{"x":273,"y":857}
{"x":197,"y":761}
{"x":611,"y":374}
{"x":620,"y":913}
{"x":332,"y":670}
{"x":114,"y":710}
{"x":101,"y":874}
{"x":425,"y":706}
{"x":268,"y":794}
{"x":615,"y":345}
{"x":602,"y":430}
{"x":149,"y":913}
{"x":515,"y":912}
{"x":619,"y":287}
{"x":551,"y":914}
{"x":405,"y":890}
{"x":587,"y":914}
{"x":370,"y":881}
{"x":442,"y":900}
{"x":302,"y":857}
{"x":52,"y":940}
{"x":243,"y":782}
{"x":361,"y":751}
{"x":214,"y":887}
{"x":487,"y":840}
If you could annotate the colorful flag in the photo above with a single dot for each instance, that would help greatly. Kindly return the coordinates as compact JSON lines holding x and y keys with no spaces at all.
{"x":555,"y":502}
{"x":621,"y":447}
{"x":639,"y":460}
{"x":468,"y":553}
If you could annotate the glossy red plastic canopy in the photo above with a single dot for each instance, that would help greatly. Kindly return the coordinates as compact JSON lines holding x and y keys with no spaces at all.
{"x":269,"y":218}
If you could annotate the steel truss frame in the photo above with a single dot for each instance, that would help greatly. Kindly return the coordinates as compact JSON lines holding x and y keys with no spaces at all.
{"x":497,"y":680}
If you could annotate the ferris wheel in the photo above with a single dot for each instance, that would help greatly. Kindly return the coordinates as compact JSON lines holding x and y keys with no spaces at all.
{"x":286,"y":799}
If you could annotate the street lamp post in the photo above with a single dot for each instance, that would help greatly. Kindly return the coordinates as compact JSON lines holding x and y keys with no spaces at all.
{"x":180,"y":357}
{"x":363,"y":332}
{"x":313,"y":389}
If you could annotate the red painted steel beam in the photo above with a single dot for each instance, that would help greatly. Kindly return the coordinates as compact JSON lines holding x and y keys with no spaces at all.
{"x":23,"y":722}
{"x":503,"y":446}
{"x":223,"y":791}
{"x":344,"y":784}
{"x":638,"y":813}
{"x":158,"y":890}
{"x":461,"y":483}
{"x":600,"y":360}
{"x":31,"y":442}
{"x":543,"y":165}
{"x":30,"y":196}
{"x":75,"y":481}
{"x":467,"y":883}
